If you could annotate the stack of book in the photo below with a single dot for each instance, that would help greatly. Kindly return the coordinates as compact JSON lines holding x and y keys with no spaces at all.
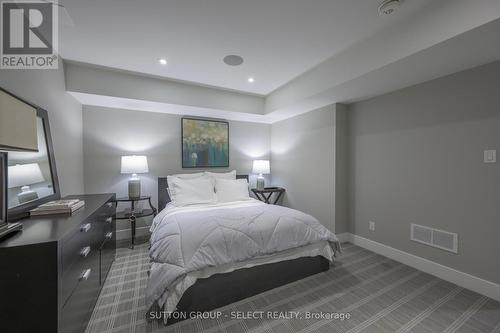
{"x":58,"y":207}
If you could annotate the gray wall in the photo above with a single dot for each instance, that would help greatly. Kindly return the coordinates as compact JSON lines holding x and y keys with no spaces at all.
{"x":111,"y":133}
{"x":416,"y":156}
{"x":46,"y":89}
{"x":303,"y":162}
{"x":341,"y":170}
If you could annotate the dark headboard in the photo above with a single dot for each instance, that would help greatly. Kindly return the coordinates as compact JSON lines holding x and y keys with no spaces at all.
{"x":164,"y":198}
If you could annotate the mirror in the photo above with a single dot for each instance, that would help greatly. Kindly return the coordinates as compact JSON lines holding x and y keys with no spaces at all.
{"x":32,"y":176}
{"x":29,"y":173}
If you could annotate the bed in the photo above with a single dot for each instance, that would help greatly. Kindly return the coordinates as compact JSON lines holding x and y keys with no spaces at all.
{"x":215,"y":280}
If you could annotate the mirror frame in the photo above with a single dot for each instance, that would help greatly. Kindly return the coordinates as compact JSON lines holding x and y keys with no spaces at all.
{"x":3,"y":190}
{"x":22,"y":211}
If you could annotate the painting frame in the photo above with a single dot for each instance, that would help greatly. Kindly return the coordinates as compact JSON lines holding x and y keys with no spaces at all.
{"x":186,"y":163}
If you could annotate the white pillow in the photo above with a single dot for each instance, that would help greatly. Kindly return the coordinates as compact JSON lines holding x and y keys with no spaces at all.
{"x":231,"y":190}
{"x":222,"y":175}
{"x":192,"y":191}
{"x":170,"y":190}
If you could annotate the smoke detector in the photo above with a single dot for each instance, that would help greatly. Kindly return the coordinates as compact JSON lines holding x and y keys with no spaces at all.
{"x":388,"y":7}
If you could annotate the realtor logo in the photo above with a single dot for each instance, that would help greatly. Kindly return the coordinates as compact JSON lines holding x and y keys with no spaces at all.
{"x":29,"y":35}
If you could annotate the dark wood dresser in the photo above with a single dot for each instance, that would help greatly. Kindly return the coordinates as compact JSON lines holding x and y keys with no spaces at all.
{"x":52,"y":272}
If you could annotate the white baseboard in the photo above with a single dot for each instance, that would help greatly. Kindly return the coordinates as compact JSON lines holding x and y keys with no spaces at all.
{"x":344,"y":237}
{"x":459,"y":278}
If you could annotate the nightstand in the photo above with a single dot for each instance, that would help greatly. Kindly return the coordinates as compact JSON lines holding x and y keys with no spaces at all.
{"x":266,"y":194}
{"x":133,"y":214}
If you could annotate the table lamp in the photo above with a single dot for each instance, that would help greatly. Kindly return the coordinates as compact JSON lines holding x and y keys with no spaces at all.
{"x":261,"y":167}
{"x":24,"y":175}
{"x":134,"y":165}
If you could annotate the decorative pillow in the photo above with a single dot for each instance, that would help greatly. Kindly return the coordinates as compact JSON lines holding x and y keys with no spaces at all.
{"x":231,"y":190}
{"x":170,"y":190}
{"x":222,"y":175}
{"x":193,"y":191}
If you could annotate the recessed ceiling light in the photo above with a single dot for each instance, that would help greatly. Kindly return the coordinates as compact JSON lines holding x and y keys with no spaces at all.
{"x":251,"y":80}
{"x":163,"y":61}
{"x":233,"y":60}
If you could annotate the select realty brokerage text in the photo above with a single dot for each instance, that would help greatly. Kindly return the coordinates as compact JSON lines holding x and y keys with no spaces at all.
{"x":251,"y":315}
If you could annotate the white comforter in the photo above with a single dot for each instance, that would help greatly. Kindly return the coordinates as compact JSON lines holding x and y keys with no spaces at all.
{"x":187,"y":239}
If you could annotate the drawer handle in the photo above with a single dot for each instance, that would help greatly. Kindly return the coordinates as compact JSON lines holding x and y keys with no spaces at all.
{"x":85,"y":227}
{"x":109,"y":235}
{"x":85,"y":274}
{"x":109,"y":219}
{"x":85,"y":251}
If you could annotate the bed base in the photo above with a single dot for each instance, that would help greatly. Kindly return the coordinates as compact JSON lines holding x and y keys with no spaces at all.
{"x":222,"y":289}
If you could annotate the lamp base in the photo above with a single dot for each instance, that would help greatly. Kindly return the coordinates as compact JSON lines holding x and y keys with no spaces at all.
{"x":134,"y":188}
{"x":260,"y":183}
{"x":26,"y":195}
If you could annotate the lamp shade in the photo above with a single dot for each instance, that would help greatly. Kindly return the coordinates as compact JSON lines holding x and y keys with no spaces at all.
{"x":25,"y":174}
{"x":17,"y":124}
{"x":261,"y":167}
{"x":134,"y":164}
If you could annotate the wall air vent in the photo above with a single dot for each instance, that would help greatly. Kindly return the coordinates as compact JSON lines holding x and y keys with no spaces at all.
{"x":440,"y":239}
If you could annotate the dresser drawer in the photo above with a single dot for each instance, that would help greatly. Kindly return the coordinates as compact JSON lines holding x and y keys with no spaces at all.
{"x":77,"y":253}
{"x":103,"y":221}
{"x":87,"y":241}
{"x":103,"y":225}
{"x":105,"y":212}
{"x":73,"y":275}
{"x":78,"y":308}
{"x":71,"y":249}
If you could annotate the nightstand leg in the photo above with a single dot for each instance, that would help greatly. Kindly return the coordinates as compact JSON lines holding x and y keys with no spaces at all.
{"x":278,"y":197}
{"x":132,"y":229}
{"x":152,"y":207}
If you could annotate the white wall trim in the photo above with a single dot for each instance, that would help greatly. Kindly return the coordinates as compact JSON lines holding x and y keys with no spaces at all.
{"x":344,"y":237}
{"x":122,"y":103}
{"x":462,"y":279}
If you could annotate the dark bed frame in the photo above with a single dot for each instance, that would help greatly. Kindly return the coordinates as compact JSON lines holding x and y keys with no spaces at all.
{"x":222,"y":289}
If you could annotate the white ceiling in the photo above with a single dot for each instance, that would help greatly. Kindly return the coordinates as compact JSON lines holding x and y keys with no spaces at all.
{"x":279,"y":39}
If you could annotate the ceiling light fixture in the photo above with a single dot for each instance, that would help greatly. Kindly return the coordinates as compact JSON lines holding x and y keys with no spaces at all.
{"x":388,"y":7}
{"x":251,"y":80}
{"x":163,"y":61}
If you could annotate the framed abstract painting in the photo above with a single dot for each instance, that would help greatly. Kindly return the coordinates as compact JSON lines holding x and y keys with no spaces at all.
{"x":205,"y":143}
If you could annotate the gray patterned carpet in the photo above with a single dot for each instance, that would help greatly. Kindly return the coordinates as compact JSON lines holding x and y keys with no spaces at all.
{"x":379,"y":295}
